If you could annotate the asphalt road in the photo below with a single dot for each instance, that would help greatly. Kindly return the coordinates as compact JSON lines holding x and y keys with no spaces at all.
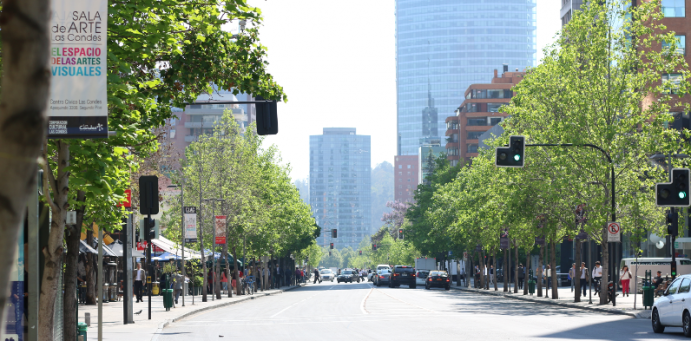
{"x":330,"y":311}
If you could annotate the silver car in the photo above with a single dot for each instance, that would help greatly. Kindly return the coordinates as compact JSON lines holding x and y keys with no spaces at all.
{"x":383,"y":277}
{"x":327,"y":275}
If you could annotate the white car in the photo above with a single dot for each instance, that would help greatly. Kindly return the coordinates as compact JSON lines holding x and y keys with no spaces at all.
{"x":673,"y":309}
{"x":421,"y":277}
{"x":327,"y":275}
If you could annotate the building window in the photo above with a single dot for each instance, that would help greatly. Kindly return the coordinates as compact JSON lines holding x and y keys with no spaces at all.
{"x":474,"y":135}
{"x":472,"y":148}
{"x":671,"y":82}
{"x":172,"y":134}
{"x":408,"y":166}
{"x":478,"y":93}
{"x":473,"y":107}
{"x":680,"y":42}
{"x":480,"y":121}
{"x":494,"y":107}
{"x":673,"y":8}
{"x":494,"y":121}
{"x":400,"y":166}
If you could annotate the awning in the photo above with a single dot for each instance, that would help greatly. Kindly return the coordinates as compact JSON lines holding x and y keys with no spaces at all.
{"x":85,"y":248}
{"x":171,"y":247}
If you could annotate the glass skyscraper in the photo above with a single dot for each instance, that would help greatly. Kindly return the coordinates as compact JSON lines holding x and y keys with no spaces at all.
{"x":340,"y":185}
{"x":443,"y":46}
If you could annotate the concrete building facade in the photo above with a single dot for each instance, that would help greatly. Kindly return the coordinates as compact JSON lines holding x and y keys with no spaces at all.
{"x":405,"y":177}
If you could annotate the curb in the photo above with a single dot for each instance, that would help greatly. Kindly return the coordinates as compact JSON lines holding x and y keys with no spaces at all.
{"x":563,"y":304}
{"x":220,"y":305}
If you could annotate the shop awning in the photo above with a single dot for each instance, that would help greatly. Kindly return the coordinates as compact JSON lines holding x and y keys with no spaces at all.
{"x":85,"y":248}
{"x":171,"y":247}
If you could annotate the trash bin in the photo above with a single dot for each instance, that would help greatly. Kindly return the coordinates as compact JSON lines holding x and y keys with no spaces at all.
{"x":167,"y":298}
{"x":105,"y":297}
{"x":648,"y":296}
{"x":531,"y":286}
{"x":81,"y":330}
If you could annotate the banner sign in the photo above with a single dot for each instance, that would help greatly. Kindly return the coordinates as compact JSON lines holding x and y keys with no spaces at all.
{"x":504,"y":240}
{"x":613,"y":232}
{"x":14,"y":306}
{"x":78,"y":104}
{"x":220,"y":226}
{"x":190,"y":214}
{"x":141,"y":246}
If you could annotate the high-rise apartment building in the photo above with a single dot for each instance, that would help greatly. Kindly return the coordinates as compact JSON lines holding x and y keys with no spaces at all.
{"x":478,"y":113}
{"x":405,"y":177}
{"x":444,"y":46}
{"x":567,"y":9}
{"x":340,"y":185}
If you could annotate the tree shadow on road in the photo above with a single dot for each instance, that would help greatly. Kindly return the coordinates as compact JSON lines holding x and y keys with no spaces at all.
{"x":628,"y":329}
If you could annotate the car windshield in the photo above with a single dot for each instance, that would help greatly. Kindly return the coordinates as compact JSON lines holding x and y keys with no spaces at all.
{"x":347,"y":272}
{"x":325,"y":272}
{"x":385,"y":271}
{"x":404,"y":270}
{"x":422,"y":274}
{"x":439,"y":273}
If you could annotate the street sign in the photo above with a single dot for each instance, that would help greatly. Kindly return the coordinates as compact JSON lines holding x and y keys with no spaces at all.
{"x":71,"y":218}
{"x":190,"y":213}
{"x":465,"y":255}
{"x":220,"y":225}
{"x":540,"y":241}
{"x":613,"y":232}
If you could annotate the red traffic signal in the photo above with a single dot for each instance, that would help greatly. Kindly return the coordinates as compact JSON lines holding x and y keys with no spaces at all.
{"x":360,"y":252}
{"x":400,"y":233}
{"x":332,"y":245}
{"x":374,"y":247}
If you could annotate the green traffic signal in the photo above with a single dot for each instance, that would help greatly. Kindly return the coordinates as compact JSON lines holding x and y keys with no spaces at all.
{"x":517,"y":157}
{"x":682,"y":194}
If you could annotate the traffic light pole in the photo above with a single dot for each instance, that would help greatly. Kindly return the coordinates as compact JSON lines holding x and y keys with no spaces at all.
{"x":148,"y":259}
{"x":614,"y":270}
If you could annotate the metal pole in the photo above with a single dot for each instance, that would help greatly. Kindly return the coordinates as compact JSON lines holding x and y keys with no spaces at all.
{"x":590,"y":275}
{"x":32,"y":239}
{"x":183,"y":230}
{"x":100,"y":283}
{"x":148,"y":259}
{"x":213,"y":250}
{"x":128,"y":267}
{"x":201,"y":223}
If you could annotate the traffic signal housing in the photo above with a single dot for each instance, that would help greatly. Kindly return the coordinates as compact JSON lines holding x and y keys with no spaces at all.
{"x":267,"y":117}
{"x":331,"y":246}
{"x":334,"y":233}
{"x":400,"y":233}
{"x":513,"y":155}
{"x":150,"y":229}
{"x":675,"y":193}
{"x":673,"y":268}
{"x":374,"y":247}
{"x":673,"y":223}
{"x":360,"y":252}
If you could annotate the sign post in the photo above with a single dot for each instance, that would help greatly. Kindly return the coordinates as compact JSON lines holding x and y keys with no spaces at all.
{"x":613,"y":232}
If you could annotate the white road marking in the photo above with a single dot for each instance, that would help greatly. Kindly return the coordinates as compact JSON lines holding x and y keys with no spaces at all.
{"x":364,"y":300}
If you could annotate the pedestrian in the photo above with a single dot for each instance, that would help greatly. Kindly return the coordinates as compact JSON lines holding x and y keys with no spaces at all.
{"x":572,"y":275}
{"x":297,"y":274}
{"x":491,"y":275}
{"x":521,"y":276}
{"x":139,"y":276}
{"x":224,"y":281}
{"x":584,"y":279}
{"x":178,"y":281}
{"x":625,"y":278}
{"x":548,"y":275}
{"x":477,"y":276}
{"x":597,"y":277}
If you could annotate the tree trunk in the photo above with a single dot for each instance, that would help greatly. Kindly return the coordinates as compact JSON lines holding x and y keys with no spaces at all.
{"x":71,"y":265}
{"x":577,"y":273}
{"x":506,"y":272}
{"x":515,"y":269}
{"x":527,"y":272}
{"x":482,"y":270}
{"x":25,"y":91}
{"x":89,"y":268}
{"x":553,"y":255}
{"x":54,"y":251}
{"x":605,"y":268}
{"x":538,"y":271}
{"x":494,"y":275}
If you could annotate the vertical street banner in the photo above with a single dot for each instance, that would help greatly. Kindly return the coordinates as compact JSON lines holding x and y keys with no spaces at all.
{"x":504,"y":239}
{"x":190,"y":214}
{"x":14,"y":307}
{"x":581,"y":220}
{"x":220,"y":226}
{"x":78,"y":104}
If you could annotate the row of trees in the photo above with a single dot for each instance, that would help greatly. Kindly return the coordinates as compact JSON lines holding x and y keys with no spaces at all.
{"x":229,"y":173}
{"x":160,"y":54}
{"x":603,"y":82}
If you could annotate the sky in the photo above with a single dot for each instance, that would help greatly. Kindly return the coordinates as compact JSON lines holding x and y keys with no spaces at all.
{"x":336,"y":62}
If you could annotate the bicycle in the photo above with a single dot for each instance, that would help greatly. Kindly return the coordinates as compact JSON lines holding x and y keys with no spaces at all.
{"x":249,"y":285}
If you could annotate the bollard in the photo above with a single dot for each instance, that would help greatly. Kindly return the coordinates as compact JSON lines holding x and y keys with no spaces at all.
{"x":87,"y":319}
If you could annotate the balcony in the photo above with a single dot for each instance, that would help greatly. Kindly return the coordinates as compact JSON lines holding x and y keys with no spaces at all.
{"x":190,"y":138}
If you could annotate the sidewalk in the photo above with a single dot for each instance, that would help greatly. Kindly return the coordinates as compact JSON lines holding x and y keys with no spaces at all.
{"x":625,"y":305}
{"x":144,"y":329}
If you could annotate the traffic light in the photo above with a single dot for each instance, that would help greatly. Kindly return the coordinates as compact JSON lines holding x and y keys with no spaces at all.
{"x":329,"y":253}
{"x":150,"y":229}
{"x":334,"y":233}
{"x":148,"y":194}
{"x":360,"y":252}
{"x":673,"y":266}
{"x":374,"y":247}
{"x":267,"y":117}
{"x":513,"y":155}
{"x":400,"y":233}
{"x":332,"y":246}
{"x":675,"y":193}
{"x":673,"y":223}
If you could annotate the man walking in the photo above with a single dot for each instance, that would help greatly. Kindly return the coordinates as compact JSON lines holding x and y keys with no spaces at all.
{"x":572,"y":275}
{"x":584,"y":279}
{"x":178,"y":281}
{"x":139,"y":276}
{"x":521,"y":276}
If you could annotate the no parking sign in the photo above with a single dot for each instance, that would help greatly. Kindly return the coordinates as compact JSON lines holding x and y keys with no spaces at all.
{"x":613,"y":232}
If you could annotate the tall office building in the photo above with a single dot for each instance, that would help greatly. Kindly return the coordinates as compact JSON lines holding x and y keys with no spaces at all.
{"x":340,"y":185}
{"x":444,"y":46}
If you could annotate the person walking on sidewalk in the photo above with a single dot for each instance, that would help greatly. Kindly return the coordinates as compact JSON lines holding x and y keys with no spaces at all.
{"x":548,"y":275}
{"x":597,"y":277}
{"x":139,"y":276}
{"x":521,"y":276}
{"x":178,"y":281}
{"x":572,"y":275}
{"x":625,"y":277}
{"x":584,"y":279}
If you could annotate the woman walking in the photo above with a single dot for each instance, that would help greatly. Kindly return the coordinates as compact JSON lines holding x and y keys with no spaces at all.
{"x":625,"y":278}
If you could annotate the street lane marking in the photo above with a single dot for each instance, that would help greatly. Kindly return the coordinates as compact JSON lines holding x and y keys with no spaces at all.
{"x":364,"y":301}
{"x":410,"y":304}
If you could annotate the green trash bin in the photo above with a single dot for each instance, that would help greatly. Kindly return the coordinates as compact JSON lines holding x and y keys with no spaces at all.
{"x":167,"y":298}
{"x":531,"y":286}
{"x":648,"y":296}
{"x":81,"y":330}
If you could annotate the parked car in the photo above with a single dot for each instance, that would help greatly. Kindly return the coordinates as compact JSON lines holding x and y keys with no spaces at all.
{"x":371,"y":274}
{"x":383,"y":266}
{"x":673,"y":308}
{"x":438,"y":279}
{"x":327,"y":275}
{"x":421,"y":277}
{"x":403,"y":274}
{"x":348,"y":276}
{"x":383,"y":277}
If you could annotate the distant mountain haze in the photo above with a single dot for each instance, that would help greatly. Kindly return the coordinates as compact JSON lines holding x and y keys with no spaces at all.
{"x":382,"y":192}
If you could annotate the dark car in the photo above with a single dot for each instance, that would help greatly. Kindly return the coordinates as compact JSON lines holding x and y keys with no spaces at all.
{"x":348,"y":275}
{"x":403,"y":274}
{"x":438,"y":279}
{"x":382,"y":277}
